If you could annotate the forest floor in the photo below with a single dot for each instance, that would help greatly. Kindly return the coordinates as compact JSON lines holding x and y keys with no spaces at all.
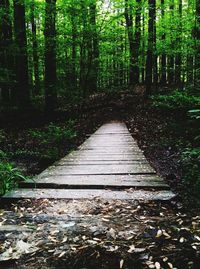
{"x":98,"y":233}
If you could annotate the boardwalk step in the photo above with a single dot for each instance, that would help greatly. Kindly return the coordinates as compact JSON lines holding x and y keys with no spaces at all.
{"x":89,"y":194}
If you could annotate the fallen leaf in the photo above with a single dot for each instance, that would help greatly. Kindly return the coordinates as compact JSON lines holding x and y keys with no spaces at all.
{"x":159,"y":233}
{"x":131,"y":249}
{"x":157,"y":265}
{"x":121,"y":264}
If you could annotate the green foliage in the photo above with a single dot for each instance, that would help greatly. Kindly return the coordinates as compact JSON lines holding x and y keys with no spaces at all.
{"x":194,"y":114}
{"x":26,"y":153}
{"x":2,"y":135}
{"x":51,"y":154}
{"x":191,"y":175}
{"x":176,"y":101}
{"x":9,"y":177}
{"x":54,"y":133}
{"x":3,"y":155}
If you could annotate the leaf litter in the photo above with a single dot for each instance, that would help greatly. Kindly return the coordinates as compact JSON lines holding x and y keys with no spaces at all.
{"x":85,"y":234}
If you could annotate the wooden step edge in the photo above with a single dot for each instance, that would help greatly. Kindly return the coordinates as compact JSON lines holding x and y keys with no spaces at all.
{"x":51,"y":185}
{"x":141,"y":195}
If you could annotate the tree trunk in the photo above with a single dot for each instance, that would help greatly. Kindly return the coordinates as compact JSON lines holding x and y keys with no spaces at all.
{"x":178,"y":42}
{"x":22,"y":94}
{"x":143,"y":48}
{"x":197,"y":41}
{"x":155,"y":58}
{"x":95,"y":48}
{"x":74,"y":37}
{"x":163,"y":78}
{"x":83,"y":54}
{"x":50,"y":56}
{"x":137,"y":41}
{"x":129,"y":25}
{"x":35,"y":50}
{"x":171,"y":56}
{"x":149,"y":59}
{"x":5,"y":50}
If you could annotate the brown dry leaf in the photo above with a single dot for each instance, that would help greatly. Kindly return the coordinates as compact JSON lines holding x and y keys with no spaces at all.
{"x":166,"y":235}
{"x":159,"y":233}
{"x":62,"y":254}
{"x":157,"y":265}
{"x":64,"y":239}
{"x":54,"y":232}
{"x":106,"y":220}
{"x":182,"y":240}
{"x":197,"y":237}
{"x":131,"y":249}
{"x":112,"y":233}
{"x":23,"y":247}
{"x":121,"y":264}
{"x":170,"y":265}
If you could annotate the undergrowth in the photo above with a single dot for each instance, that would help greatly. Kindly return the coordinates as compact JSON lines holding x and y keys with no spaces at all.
{"x":10,"y":176}
{"x":185,"y":109}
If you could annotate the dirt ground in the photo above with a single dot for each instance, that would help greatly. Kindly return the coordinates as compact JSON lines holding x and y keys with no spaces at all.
{"x":99,"y":234}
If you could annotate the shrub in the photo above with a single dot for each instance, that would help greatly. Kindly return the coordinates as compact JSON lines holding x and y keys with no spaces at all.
{"x":2,"y":135}
{"x":54,"y":133}
{"x":191,"y":175}
{"x":9,"y":177}
{"x":176,"y":101}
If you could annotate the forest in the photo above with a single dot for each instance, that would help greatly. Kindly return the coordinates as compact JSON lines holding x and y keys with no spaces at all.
{"x":67,"y":67}
{"x":72,"y":49}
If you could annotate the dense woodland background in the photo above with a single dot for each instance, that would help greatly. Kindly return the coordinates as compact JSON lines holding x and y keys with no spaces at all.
{"x":76,"y":48}
{"x":138,"y":58}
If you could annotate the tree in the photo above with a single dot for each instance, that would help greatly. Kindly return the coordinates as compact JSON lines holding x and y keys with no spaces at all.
{"x":6,"y":43}
{"x":150,"y":49}
{"x":171,"y":56}
{"x":179,"y":48}
{"x":94,"y":65}
{"x":197,"y":39}
{"x":129,"y":25}
{"x":35,"y":49}
{"x":137,"y":40}
{"x":163,"y":78}
{"x":74,"y":52}
{"x":50,"y":56}
{"x":22,"y":94}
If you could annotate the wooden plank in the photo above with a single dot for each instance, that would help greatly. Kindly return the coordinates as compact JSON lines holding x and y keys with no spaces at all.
{"x":101,"y":169}
{"x":92,"y":181}
{"x":89,"y":194}
{"x":99,"y":162}
{"x":99,"y":178}
{"x":94,"y":185}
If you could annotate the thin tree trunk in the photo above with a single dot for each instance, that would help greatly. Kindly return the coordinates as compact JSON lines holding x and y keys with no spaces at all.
{"x":83,"y":55}
{"x":129,"y":25}
{"x":50,"y":56}
{"x":197,"y":42}
{"x":163,"y":78}
{"x":94,"y":60}
{"x":155,"y":58}
{"x":171,"y":56}
{"x":74,"y":37}
{"x":143,"y":48}
{"x":137,"y":41}
{"x":35,"y":50}
{"x":22,"y":95}
{"x":149,"y":59}
{"x":5,"y":50}
{"x":178,"y":41}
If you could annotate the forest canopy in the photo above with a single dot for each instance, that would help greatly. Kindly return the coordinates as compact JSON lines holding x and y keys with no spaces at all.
{"x":74,"y":48}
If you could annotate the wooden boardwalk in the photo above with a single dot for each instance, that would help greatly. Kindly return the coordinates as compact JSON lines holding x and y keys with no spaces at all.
{"x":109,"y":165}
